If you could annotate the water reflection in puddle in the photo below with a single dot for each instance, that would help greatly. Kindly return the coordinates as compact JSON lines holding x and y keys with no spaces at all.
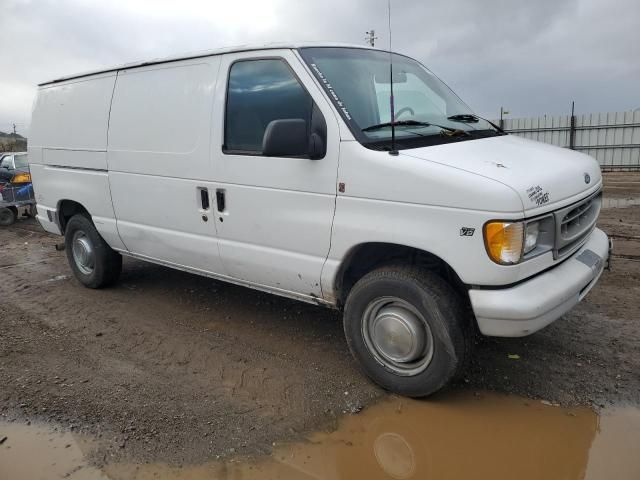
{"x":614,"y":452}
{"x":613,"y":202}
{"x":457,"y":436}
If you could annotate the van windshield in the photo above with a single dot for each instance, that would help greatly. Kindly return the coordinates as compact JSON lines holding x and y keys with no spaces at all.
{"x":427,"y":112}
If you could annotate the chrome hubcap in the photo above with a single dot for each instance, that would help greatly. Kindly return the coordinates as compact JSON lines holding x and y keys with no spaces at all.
{"x":397,"y":335}
{"x":83,"y":253}
{"x":395,"y":455}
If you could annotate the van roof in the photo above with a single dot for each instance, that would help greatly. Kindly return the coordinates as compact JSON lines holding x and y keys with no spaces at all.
{"x":205,"y":53}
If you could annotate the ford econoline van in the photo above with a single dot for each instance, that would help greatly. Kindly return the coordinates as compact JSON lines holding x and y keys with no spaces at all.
{"x":286,"y":168}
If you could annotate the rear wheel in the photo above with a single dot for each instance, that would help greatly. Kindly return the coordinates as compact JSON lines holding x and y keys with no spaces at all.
{"x":7,"y":216}
{"x":407,"y":329}
{"x":93,"y":262}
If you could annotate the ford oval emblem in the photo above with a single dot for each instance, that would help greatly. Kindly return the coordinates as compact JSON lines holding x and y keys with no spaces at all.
{"x":587,"y":178}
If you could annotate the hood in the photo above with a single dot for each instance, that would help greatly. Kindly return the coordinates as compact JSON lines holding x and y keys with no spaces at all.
{"x":545,"y":177}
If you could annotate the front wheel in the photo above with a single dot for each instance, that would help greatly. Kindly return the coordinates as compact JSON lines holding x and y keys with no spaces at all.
{"x":406,"y":327}
{"x":92,"y":260}
{"x":8,"y":216}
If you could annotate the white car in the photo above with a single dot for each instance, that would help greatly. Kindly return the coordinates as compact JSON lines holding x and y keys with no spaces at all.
{"x":280,"y":168}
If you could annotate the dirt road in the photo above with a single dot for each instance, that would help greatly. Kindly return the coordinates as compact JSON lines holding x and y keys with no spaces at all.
{"x":177,"y":367}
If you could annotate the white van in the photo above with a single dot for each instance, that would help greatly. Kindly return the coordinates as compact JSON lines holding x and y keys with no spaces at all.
{"x":278,"y":168}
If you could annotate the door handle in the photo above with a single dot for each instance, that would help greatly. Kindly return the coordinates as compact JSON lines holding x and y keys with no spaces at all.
{"x":204,"y":198}
{"x":205,"y":204}
{"x":221,"y":200}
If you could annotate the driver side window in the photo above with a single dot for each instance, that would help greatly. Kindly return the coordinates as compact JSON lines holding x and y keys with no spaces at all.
{"x":258,"y":92}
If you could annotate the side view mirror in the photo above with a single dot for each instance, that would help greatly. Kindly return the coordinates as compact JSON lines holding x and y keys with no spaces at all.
{"x":289,"y":138}
{"x":317,"y":147}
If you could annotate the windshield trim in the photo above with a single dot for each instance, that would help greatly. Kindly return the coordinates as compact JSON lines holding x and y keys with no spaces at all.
{"x":380,"y":144}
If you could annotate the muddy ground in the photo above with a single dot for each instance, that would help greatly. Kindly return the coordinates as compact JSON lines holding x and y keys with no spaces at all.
{"x":175,"y":367}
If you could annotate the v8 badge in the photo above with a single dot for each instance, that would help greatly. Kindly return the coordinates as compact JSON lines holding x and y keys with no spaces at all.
{"x":467,"y":232}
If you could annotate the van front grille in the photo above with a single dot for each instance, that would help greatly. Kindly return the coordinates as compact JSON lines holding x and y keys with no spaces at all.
{"x":574,"y":224}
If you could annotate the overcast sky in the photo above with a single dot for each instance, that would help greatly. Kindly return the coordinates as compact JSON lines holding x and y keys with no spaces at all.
{"x":531,"y":56}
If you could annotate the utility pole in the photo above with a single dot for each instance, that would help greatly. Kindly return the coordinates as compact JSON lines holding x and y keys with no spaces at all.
{"x":14,"y":129}
{"x":371,"y":37}
{"x":503,"y":112}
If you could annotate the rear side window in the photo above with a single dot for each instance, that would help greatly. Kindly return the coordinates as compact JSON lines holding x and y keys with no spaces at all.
{"x":260,"y":91}
{"x":5,"y":161}
{"x":21,"y":161}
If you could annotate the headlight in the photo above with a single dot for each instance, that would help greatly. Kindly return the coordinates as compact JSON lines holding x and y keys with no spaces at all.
{"x":531,"y":236}
{"x":509,"y":243}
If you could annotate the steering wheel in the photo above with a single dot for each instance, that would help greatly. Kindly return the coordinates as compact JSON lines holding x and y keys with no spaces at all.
{"x":403,"y":110}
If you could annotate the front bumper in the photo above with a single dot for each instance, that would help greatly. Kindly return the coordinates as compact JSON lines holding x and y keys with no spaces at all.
{"x":529,"y":306}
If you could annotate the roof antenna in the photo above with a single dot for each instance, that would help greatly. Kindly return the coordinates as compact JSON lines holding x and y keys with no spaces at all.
{"x":393,"y":150}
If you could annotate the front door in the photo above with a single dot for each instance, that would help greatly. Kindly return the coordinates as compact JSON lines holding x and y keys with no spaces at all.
{"x":274,"y":214}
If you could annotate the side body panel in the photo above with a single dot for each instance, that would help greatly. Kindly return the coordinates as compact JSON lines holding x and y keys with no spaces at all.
{"x":73,"y":115}
{"x":160,"y":168}
{"x":67,"y":151}
{"x":412,"y":202}
{"x":276,"y":228}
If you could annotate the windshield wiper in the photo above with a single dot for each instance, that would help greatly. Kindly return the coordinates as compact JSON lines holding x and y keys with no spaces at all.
{"x":415,"y":123}
{"x":470,"y":118}
{"x":400,"y":123}
{"x":464,"y":117}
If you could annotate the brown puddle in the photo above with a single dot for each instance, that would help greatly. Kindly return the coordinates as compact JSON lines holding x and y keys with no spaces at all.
{"x":457,"y":436}
{"x":38,"y":452}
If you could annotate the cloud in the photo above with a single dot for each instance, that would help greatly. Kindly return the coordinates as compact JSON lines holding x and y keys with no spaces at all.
{"x":531,"y":57}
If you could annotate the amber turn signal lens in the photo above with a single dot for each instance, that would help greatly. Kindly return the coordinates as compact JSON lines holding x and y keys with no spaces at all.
{"x":504,"y":241}
{"x":21,"y":178}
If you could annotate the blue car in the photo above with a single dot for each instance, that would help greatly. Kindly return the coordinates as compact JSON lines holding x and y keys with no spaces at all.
{"x":16,"y":189}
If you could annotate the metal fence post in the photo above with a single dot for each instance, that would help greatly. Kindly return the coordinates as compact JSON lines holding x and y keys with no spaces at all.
{"x":572,"y":128}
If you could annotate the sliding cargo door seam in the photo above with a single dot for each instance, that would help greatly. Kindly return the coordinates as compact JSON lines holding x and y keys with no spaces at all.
{"x":113,"y":207}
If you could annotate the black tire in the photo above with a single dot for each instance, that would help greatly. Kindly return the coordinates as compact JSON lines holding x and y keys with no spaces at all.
{"x":435,"y":303}
{"x":8,"y":216}
{"x":106,"y":264}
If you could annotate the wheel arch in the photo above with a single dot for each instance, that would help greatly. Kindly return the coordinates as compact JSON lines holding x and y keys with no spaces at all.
{"x":66,"y":209}
{"x":365,"y":257}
